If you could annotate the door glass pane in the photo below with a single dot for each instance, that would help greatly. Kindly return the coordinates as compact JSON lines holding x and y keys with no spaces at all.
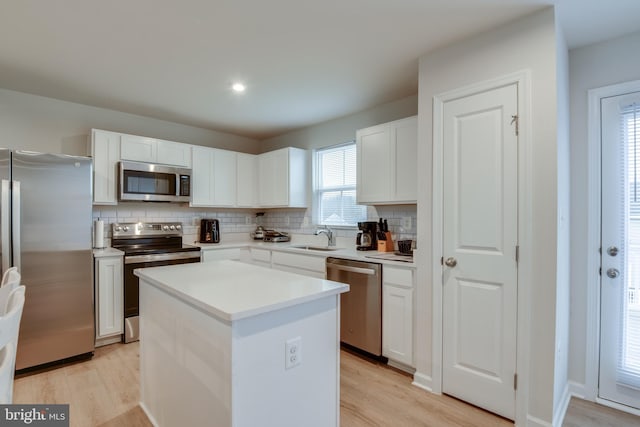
{"x":629,"y":345}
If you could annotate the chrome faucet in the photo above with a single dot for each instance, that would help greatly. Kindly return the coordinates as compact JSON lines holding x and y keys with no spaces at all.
{"x":330,"y":236}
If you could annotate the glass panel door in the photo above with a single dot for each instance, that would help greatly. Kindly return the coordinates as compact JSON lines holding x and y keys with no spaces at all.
{"x":620,"y":283}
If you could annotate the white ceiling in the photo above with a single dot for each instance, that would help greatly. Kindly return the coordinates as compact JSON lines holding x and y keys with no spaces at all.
{"x":303,"y":61}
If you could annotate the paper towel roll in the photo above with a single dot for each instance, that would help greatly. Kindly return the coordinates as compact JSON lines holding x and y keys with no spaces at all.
{"x":98,"y":238}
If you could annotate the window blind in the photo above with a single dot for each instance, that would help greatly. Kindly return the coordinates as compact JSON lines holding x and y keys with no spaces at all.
{"x":336,"y":186}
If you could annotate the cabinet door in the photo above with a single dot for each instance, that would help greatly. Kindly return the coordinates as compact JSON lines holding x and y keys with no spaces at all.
{"x":110,"y":317}
{"x":174,"y":153}
{"x":405,"y":138}
{"x":397,"y":323}
{"x":202,"y":176}
{"x":267,"y":179}
{"x":373,"y":165}
{"x":247,"y":180}
{"x":224,"y":178}
{"x":138,"y":148}
{"x":105,"y":149}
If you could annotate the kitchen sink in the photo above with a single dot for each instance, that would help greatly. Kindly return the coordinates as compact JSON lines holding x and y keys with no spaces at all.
{"x":315,"y":248}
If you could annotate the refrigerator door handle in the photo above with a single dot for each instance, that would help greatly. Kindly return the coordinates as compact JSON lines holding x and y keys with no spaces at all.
{"x":5,"y":223}
{"x":16,"y":224}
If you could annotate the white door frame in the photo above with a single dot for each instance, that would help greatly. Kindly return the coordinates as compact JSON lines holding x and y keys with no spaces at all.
{"x":592,"y":347}
{"x":525,"y":195}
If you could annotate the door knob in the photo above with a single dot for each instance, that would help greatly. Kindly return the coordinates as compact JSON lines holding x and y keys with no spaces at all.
{"x":612,"y":250}
{"x":451,"y":262}
{"x":612,"y":273}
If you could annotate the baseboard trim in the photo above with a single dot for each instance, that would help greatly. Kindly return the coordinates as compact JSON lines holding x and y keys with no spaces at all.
{"x":152,"y":420}
{"x":423,"y":381}
{"x":537,"y":422}
{"x":561,"y":410}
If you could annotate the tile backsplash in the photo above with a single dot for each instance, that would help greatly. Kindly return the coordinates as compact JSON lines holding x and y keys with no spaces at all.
{"x":236,"y":224}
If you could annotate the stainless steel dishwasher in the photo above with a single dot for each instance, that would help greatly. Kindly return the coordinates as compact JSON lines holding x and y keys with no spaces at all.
{"x":361,"y":307}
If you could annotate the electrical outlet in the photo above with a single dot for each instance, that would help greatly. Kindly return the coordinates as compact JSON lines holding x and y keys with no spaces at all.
{"x":293,"y":353}
{"x":247,"y":220}
{"x":406,"y":222}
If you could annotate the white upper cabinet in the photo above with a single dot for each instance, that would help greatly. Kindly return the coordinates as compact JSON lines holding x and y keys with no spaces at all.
{"x":247,"y":180}
{"x":387,"y":162}
{"x":150,"y":150}
{"x":139,"y":149}
{"x":282,"y":178}
{"x":174,"y":153}
{"x":214,"y":177}
{"x":105,"y":150}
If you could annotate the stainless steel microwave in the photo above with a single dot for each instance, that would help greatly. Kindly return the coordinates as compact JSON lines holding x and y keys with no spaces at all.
{"x":149,"y":182}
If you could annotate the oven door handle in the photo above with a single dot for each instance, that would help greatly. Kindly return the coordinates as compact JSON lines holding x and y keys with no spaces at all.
{"x":138,"y":259}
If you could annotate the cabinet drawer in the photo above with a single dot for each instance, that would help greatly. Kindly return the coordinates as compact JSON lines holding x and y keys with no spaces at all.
{"x":307,"y":262}
{"x":397,"y":276}
{"x":262,"y":255}
{"x":221,"y":254}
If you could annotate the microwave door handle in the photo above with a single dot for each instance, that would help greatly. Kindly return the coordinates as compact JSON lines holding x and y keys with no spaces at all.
{"x":16,"y":219}
{"x":5,"y":232}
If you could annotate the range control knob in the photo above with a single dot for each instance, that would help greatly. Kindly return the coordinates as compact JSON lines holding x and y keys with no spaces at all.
{"x":178,"y":227}
{"x":165,"y":228}
{"x":125,"y":228}
{"x":118,"y":228}
{"x":172,"y":227}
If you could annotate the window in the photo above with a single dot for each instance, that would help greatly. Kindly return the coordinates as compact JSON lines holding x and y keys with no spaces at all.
{"x":336,"y":186}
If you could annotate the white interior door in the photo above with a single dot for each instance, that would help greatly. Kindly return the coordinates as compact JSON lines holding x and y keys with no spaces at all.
{"x":480,"y":214}
{"x":620,"y":280}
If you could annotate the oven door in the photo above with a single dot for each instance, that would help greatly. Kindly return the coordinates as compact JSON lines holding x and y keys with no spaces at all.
{"x":132,"y":285}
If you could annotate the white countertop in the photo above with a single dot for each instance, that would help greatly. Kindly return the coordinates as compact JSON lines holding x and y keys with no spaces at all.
{"x":341,"y":252}
{"x":107,"y":252}
{"x":232,"y":290}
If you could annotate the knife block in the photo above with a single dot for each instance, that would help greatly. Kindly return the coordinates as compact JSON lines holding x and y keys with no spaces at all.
{"x":386,"y":245}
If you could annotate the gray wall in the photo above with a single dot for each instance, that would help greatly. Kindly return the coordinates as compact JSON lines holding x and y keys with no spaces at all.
{"x":526,"y":44}
{"x":343,"y":129}
{"x":37,"y":123}
{"x":598,"y":65}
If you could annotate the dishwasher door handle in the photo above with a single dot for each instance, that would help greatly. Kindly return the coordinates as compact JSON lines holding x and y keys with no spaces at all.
{"x":359,"y":270}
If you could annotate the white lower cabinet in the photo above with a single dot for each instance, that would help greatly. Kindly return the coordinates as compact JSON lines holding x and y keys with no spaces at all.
{"x":234,"y":254}
{"x":397,"y":314}
{"x":260,"y":257}
{"x":109,"y":298}
{"x":307,"y":265}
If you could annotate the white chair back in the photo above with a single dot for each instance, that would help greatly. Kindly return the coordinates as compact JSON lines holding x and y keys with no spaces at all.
{"x":10,"y":280}
{"x":9,"y":330}
{"x":11,"y":275}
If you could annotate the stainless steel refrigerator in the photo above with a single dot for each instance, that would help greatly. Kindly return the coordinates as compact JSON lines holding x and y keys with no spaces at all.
{"x":45,"y":231}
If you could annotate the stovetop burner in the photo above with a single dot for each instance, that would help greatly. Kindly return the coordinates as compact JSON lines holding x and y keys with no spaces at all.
{"x":142,"y":238}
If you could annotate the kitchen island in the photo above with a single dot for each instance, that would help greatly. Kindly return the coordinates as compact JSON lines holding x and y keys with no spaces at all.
{"x":230,"y":344}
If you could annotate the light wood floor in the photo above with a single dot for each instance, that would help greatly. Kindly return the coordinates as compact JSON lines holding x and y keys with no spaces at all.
{"x":104,"y":392}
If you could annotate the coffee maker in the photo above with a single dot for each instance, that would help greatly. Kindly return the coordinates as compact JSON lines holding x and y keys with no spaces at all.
{"x":209,"y":231}
{"x":367,"y":236}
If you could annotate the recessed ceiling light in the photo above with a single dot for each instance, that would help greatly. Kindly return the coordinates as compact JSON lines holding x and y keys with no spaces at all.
{"x":238,"y":87}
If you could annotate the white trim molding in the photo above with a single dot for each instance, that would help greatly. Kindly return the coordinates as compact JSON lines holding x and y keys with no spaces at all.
{"x":589,"y":390}
{"x":423,"y":381}
{"x":525,"y":217}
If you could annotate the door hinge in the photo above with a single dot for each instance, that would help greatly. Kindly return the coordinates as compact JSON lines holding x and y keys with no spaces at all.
{"x":600,"y":271}
{"x":517,"y":253}
{"x":515,"y":119}
{"x":441,"y":260}
{"x":515,"y":381}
